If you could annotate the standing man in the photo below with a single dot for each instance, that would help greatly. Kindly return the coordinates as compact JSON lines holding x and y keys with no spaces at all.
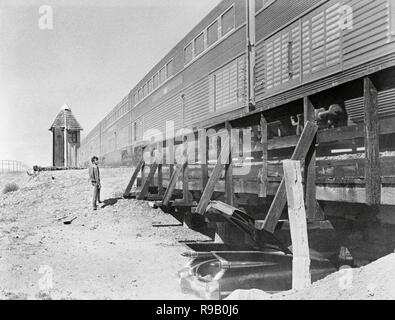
{"x":94,"y":176}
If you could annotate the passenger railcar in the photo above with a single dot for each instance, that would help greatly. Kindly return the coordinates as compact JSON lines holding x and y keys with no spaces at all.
{"x":291,"y":49}
{"x":270,"y":66}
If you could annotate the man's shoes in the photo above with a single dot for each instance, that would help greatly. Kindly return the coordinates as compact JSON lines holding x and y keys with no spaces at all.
{"x":100,"y":201}
{"x":94,"y":209}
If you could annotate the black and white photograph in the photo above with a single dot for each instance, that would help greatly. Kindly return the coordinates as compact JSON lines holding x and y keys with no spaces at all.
{"x":211,"y":151}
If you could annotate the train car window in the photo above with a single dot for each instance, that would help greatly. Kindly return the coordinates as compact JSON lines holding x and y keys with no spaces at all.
{"x":169,"y":69}
{"x":150,"y":86}
{"x":156,"y":81}
{"x":228,"y":21}
{"x":145,"y":90}
{"x":258,"y":5}
{"x":199,"y":44}
{"x":162,"y":75}
{"x":135,"y":98}
{"x":140,"y":94}
{"x":212,"y":34}
{"x":188,"y":53}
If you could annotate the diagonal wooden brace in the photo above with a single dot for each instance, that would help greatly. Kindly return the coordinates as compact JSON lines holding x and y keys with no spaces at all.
{"x":134,"y":178}
{"x":172,"y":183}
{"x":144,"y":190}
{"x":215,"y":175}
{"x":280,"y":199}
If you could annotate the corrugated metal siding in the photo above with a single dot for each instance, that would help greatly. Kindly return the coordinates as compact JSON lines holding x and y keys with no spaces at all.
{"x":370,"y":28}
{"x":328,"y":45}
{"x":242,"y":86}
{"x":321,"y":41}
{"x":278,"y":60}
{"x":196,"y":102}
{"x":170,"y":110}
{"x":223,"y":90}
{"x":325,"y":83}
{"x":279,"y":14}
{"x":386,"y":101}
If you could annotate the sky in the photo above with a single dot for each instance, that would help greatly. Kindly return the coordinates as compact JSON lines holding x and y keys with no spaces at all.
{"x":95,"y":53}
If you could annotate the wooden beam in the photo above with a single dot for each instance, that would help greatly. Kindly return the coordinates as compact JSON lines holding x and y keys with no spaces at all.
{"x":172,"y":184}
{"x":215,"y":175}
{"x":144,"y":190}
{"x":372,"y":148}
{"x":309,"y":167}
{"x":229,"y":169}
{"x":160,"y":180}
{"x":203,"y":156}
{"x":300,"y":152}
{"x":133,"y":179}
{"x":265,"y":169}
{"x":185,"y":182}
{"x":301,"y":277}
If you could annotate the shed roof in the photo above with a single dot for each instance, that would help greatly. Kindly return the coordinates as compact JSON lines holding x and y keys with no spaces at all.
{"x":66,"y":119}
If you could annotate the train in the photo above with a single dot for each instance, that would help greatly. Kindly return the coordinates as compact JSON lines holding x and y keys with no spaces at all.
{"x":249,"y":55}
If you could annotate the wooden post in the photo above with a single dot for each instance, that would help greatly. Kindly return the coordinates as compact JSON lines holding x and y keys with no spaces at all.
{"x":301,"y":277}
{"x":264,"y":170}
{"x":185,"y":180}
{"x":172,"y":184}
{"x":203,"y":156}
{"x":309,"y":168}
{"x":372,"y":147}
{"x":301,"y":150}
{"x":147,"y":182}
{"x":134,"y":177}
{"x":229,"y":169}
{"x":160,"y":180}
{"x":215,"y":175}
{"x":171,"y":156}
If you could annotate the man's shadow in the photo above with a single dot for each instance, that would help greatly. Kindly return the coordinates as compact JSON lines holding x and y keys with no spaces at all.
{"x":110,"y":202}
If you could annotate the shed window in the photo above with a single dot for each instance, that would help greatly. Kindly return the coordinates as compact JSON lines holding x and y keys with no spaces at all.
{"x":188,"y":53}
{"x":228,"y":21}
{"x":212,"y":34}
{"x":199,"y":44}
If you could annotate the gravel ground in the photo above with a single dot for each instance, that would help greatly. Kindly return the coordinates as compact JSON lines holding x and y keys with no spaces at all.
{"x":112,"y":253}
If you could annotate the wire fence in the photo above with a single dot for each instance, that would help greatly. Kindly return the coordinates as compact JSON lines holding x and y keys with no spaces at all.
{"x":7,"y":166}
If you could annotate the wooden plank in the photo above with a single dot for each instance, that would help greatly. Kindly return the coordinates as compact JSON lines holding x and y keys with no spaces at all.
{"x":265,"y":170}
{"x":215,"y":175}
{"x":309,"y":168}
{"x":229,"y":169}
{"x":185,"y":182}
{"x":387,"y":126}
{"x":160,"y":180}
{"x":144,"y":190}
{"x":300,"y":152}
{"x":134,"y":177}
{"x":301,"y":277}
{"x":172,"y":184}
{"x":372,"y":151}
{"x":203,"y":156}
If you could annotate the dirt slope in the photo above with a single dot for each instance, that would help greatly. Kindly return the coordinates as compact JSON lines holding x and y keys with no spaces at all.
{"x":113,"y":253}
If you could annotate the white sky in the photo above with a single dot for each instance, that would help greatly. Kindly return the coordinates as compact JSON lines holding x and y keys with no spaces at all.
{"x":96,"y":52}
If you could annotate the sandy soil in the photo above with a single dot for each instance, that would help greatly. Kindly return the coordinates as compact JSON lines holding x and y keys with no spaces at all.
{"x":375,"y":281}
{"x":112,"y":253}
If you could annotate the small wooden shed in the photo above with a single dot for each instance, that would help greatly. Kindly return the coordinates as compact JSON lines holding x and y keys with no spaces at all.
{"x":66,"y":139}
